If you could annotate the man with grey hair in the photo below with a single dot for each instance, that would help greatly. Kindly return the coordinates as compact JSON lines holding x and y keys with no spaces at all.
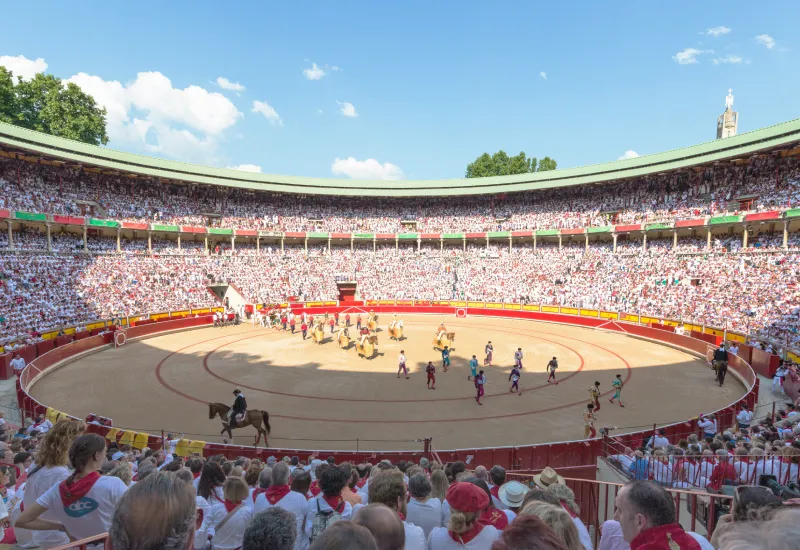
{"x":272,"y":529}
{"x":425,"y":464}
{"x":280,"y":495}
{"x":384,"y":524}
{"x":482,"y":473}
{"x":155,"y":514}
{"x":264,"y":481}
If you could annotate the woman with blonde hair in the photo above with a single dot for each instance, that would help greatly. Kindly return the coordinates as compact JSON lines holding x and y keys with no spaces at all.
{"x":50,"y":469}
{"x":559,"y":521}
{"x":225,"y":522}
{"x":467,"y":501}
{"x":566,"y":498}
{"x":439,"y":485}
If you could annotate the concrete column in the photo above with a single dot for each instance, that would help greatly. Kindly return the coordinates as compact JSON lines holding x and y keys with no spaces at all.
{"x":487,"y":241}
{"x":282,"y":237}
{"x":149,"y":241}
{"x":674,"y":239}
{"x":441,"y":245}
{"x":179,"y":241}
{"x":306,"y":245}
{"x":644,"y":242}
{"x":587,"y":242}
{"x":419,"y":245}
{"x":464,"y":242}
{"x":785,"y":235}
{"x":329,"y":244}
{"x":10,"y":236}
{"x":374,"y":244}
{"x":614,"y":236}
{"x":396,"y":243}
{"x":49,"y":238}
{"x":233,"y":244}
{"x":119,"y":239}
{"x":85,"y":243}
{"x":559,"y":241}
{"x":708,"y":240}
{"x":258,"y":246}
{"x":744,"y":237}
{"x":510,"y":243}
{"x":534,"y":240}
{"x":351,"y":242}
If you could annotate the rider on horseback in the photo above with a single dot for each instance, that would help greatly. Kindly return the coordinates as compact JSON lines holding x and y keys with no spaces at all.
{"x":364,"y":335}
{"x":442,"y":332}
{"x":237,"y":412}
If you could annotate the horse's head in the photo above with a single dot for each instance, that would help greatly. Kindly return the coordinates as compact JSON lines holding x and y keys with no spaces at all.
{"x":212,"y":412}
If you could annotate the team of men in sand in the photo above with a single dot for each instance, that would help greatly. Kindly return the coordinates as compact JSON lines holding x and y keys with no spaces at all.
{"x":283,"y":318}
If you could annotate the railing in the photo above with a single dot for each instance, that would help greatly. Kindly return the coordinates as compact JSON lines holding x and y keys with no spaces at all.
{"x":696,"y":511}
{"x":83,"y":544}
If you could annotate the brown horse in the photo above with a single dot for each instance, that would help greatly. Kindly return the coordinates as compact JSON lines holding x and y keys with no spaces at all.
{"x":258,"y":419}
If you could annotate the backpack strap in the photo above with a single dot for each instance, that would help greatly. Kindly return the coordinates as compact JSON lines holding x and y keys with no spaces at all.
{"x":232,"y":513}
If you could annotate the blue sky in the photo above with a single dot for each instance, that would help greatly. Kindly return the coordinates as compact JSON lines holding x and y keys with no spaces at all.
{"x":432,"y":84}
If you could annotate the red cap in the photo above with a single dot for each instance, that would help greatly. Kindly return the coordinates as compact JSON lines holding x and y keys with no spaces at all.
{"x":466,"y":497}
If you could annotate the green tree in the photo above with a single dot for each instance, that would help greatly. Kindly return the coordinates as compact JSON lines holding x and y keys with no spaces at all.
{"x":500,"y":164}
{"x":47,"y":104}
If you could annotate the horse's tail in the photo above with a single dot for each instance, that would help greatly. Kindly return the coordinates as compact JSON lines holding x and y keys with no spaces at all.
{"x":265,"y":417}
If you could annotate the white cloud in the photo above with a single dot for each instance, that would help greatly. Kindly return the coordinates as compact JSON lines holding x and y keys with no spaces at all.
{"x":226,"y":84}
{"x":717,"y":31}
{"x":247,"y":168}
{"x":543,"y":75}
{"x":733,"y":59}
{"x":145,"y":114}
{"x":766,"y":40}
{"x":369,"y":169}
{"x":268,"y":111}
{"x":314,"y":73}
{"x":689,"y":55}
{"x":347,"y":109}
{"x":22,"y":66}
{"x":629,"y":154}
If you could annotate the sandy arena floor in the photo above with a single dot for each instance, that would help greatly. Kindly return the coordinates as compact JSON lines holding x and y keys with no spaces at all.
{"x":322,"y":397}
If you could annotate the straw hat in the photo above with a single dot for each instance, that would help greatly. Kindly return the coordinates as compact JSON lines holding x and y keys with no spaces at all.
{"x":547,"y":478}
{"x":512,"y":494}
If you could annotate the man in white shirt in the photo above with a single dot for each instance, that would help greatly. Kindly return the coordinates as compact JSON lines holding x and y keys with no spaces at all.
{"x":659,"y":440}
{"x":401,"y":362}
{"x":744,"y":417}
{"x":389,"y":489}
{"x":709,"y":425}
{"x":42,"y":425}
{"x":18,"y":364}
{"x":278,"y":494}
{"x":734,"y":349}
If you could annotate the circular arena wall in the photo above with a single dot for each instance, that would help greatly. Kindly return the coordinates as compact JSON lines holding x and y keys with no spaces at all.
{"x":567,"y":454}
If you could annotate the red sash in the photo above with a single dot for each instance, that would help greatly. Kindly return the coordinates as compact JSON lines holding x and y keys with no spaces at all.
{"x":258,"y":491}
{"x":566,"y":507}
{"x":314,"y":489}
{"x":277,"y":492}
{"x":464,"y":538}
{"x":495,"y":517}
{"x":361,"y":483}
{"x":495,"y":490}
{"x":75,"y":491}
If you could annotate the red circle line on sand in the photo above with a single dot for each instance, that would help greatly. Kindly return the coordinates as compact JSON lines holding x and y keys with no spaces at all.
{"x":322,"y":398}
{"x":473,"y":419}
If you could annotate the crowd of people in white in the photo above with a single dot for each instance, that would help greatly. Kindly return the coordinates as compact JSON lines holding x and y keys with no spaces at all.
{"x":752,"y":293}
{"x":59,"y":483}
{"x":765,"y":183}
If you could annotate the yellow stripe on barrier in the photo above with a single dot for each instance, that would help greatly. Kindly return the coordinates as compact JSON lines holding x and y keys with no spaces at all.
{"x":589,"y":312}
{"x":493,"y":305}
{"x":127,"y":438}
{"x":550,"y":309}
{"x":196,"y":447}
{"x":530,"y":307}
{"x":112,"y":434}
{"x":140,"y":441}
{"x":512,"y":306}
{"x":569,"y":310}
{"x":474,"y":304}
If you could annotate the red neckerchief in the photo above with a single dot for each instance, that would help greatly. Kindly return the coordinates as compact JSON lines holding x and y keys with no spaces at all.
{"x":335,"y":502}
{"x":314,"y":489}
{"x":464,"y":538}
{"x":75,"y":491}
{"x":198,"y":521}
{"x":495,"y":490}
{"x":402,"y":517}
{"x":353,"y":490}
{"x":258,"y":491}
{"x":493,"y":516}
{"x":20,"y":480}
{"x":569,"y":510}
{"x":196,"y":475}
{"x":277,"y":492}
{"x":230,"y":506}
{"x":666,"y":537}
{"x":361,"y":483}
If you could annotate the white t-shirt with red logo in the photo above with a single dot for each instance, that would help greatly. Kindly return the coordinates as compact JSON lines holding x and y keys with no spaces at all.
{"x":91,"y":514}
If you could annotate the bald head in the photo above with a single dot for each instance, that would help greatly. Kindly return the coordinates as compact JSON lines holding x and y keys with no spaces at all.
{"x":384,"y":524}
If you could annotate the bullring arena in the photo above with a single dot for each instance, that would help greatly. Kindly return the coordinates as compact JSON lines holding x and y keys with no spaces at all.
{"x":323,"y":397}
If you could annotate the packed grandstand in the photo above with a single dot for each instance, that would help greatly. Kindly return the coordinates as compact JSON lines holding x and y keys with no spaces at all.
{"x":88,"y":242}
